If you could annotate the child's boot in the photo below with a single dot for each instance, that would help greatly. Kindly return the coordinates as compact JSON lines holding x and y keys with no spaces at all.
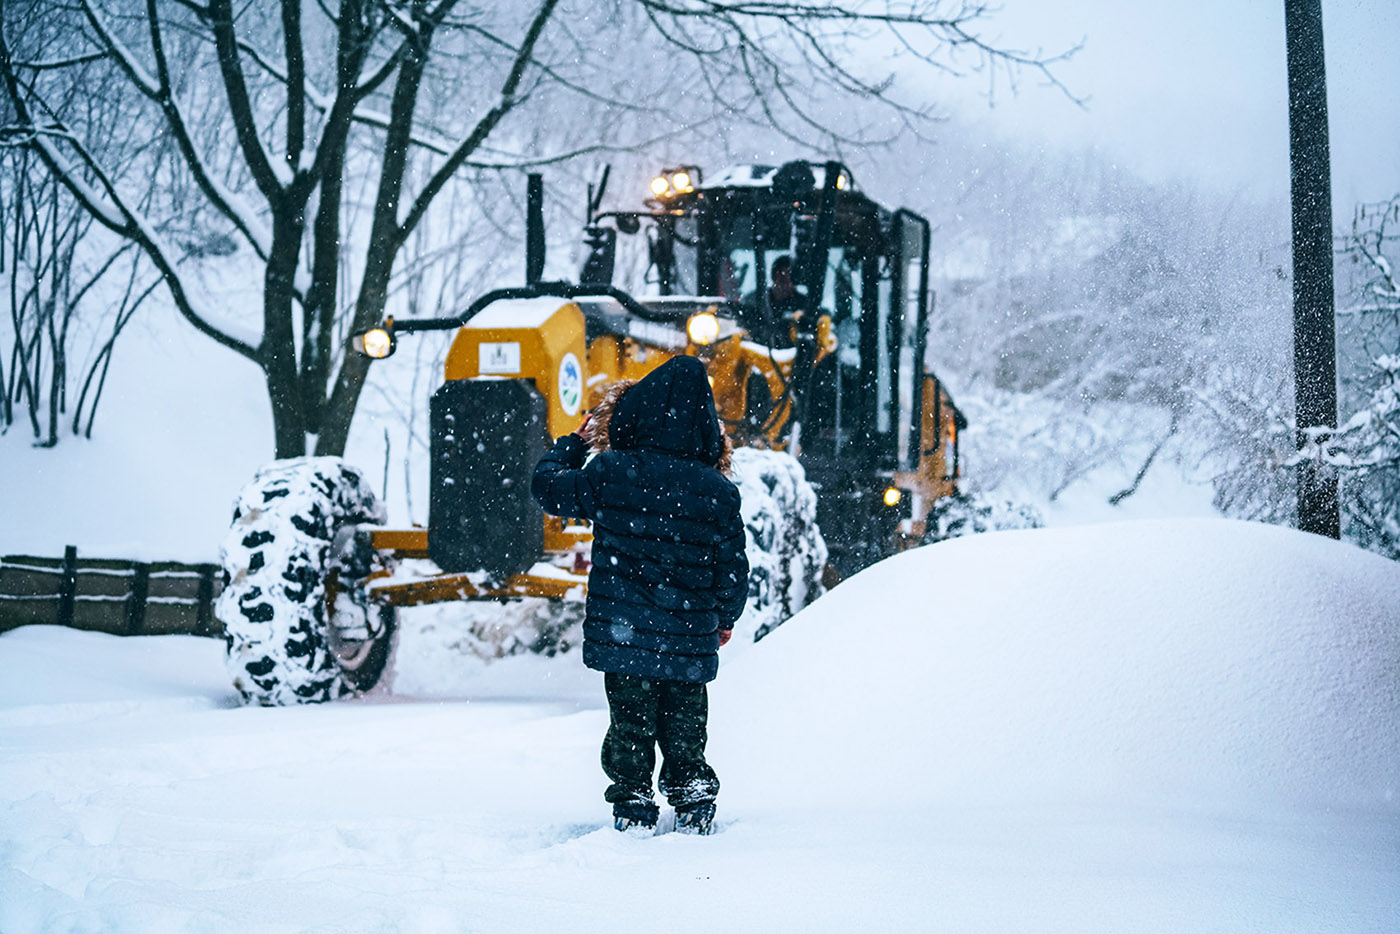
{"x":696,"y":818}
{"x":634,"y":814}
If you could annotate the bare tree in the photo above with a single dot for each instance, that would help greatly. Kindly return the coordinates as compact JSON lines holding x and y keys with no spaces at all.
{"x":1094,"y":325}
{"x":272,"y":107}
{"x":57,"y":274}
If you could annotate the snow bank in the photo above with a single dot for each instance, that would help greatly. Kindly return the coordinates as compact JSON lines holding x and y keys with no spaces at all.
{"x":1182,"y":660}
{"x":48,"y":667}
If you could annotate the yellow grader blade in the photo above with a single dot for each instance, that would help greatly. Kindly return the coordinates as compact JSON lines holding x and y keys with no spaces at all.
{"x":542,"y":580}
{"x":556,"y":584}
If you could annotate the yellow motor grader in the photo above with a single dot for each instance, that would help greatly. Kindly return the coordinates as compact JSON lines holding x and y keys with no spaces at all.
{"x":826,"y":368}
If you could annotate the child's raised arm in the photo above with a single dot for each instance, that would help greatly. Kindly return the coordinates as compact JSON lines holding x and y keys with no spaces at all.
{"x":560,"y":485}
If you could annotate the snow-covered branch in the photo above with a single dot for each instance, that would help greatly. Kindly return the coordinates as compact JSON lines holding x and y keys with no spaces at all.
{"x":508,"y":100}
{"x":123,"y":56}
{"x":158,"y":88}
{"x":108,"y":207}
{"x":57,"y":64}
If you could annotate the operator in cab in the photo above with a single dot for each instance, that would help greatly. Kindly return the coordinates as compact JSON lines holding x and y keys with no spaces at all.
{"x":784,"y":297}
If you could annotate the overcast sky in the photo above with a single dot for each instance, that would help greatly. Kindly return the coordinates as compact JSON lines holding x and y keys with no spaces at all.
{"x":1198,"y":88}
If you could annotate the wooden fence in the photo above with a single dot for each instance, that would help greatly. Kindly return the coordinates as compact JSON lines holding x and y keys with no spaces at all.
{"x":128,"y":598}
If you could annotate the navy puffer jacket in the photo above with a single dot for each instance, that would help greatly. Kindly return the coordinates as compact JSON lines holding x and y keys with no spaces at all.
{"x":669,"y":569}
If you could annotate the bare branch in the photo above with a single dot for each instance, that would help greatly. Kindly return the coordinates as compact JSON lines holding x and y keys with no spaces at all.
{"x":817,"y":31}
{"x":508,"y":101}
{"x":107,"y":205}
{"x":524,"y":162}
{"x":119,"y":218}
{"x":553,"y":73}
{"x":296,"y":81}
{"x":138,"y":75}
{"x":223,"y":200}
{"x":61,"y":63}
{"x":244,"y":122}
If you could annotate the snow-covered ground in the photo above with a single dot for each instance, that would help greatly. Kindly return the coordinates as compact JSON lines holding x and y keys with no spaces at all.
{"x":1165,"y":725}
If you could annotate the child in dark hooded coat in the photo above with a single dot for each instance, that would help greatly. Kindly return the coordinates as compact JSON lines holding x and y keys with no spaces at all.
{"x":669,"y":579}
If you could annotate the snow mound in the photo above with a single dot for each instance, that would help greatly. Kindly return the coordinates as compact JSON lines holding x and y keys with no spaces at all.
{"x":1174,"y":660}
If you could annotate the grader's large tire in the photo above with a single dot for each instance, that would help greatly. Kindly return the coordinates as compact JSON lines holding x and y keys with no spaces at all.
{"x":786,"y":550}
{"x":297,"y":629}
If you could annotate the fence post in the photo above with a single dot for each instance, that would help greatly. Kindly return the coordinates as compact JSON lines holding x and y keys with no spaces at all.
{"x":68,"y":586}
{"x":204,"y":612}
{"x":136,"y":599}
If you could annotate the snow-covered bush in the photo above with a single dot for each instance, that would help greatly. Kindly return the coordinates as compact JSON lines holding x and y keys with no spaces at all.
{"x":970,"y":514}
{"x":1243,"y":428}
{"x":491,"y":630}
{"x":1033,"y":448}
{"x":1258,"y":479}
{"x":786,"y":550}
{"x":1367,"y":454}
{"x":1367,"y":457}
{"x":1364,"y":452}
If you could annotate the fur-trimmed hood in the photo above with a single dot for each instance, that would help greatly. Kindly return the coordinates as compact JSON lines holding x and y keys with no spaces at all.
{"x":671,"y":410}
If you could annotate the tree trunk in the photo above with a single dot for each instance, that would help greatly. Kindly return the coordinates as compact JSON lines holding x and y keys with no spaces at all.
{"x":318,"y":326}
{"x":386,"y":237}
{"x":335,"y":425}
{"x":278,"y":351}
{"x":345,"y":396}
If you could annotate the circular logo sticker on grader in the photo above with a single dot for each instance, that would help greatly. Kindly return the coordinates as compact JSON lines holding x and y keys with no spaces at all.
{"x":570,"y":384}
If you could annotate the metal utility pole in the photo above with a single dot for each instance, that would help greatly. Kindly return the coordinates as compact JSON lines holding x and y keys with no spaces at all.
{"x":1314,"y":324}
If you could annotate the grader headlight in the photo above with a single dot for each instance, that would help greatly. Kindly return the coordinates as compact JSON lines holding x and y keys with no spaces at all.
{"x":681,"y":182}
{"x":893,"y":495}
{"x":377,"y":343}
{"x":660,"y":186}
{"x":703,"y":328}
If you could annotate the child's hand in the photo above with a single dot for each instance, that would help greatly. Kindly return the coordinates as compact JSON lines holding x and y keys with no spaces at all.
{"x":582,"y":429}
{"x":724,"y":635}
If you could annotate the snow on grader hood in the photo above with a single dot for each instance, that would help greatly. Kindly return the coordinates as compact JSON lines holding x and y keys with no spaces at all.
{"x":848,"y":432}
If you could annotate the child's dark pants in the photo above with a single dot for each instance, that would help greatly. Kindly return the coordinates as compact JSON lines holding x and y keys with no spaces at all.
{"x":647,"y":713}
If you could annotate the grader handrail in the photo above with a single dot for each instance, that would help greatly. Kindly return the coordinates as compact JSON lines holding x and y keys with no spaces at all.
{"x":541,"y":290}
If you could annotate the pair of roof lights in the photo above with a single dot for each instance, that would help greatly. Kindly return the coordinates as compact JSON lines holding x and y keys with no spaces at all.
{"x":674,"y":182}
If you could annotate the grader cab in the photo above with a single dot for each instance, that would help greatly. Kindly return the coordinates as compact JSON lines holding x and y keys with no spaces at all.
{"x":823,"y":362}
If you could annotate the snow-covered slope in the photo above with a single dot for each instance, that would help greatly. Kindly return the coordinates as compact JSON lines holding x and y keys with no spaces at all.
{"x":182,"y":426}
{"x":1156,"y":726}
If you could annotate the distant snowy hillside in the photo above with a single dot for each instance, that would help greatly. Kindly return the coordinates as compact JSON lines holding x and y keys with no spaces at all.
{"x":1157,"y":726}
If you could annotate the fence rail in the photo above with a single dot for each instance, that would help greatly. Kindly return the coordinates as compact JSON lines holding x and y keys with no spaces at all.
{"x":128,"y":598}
